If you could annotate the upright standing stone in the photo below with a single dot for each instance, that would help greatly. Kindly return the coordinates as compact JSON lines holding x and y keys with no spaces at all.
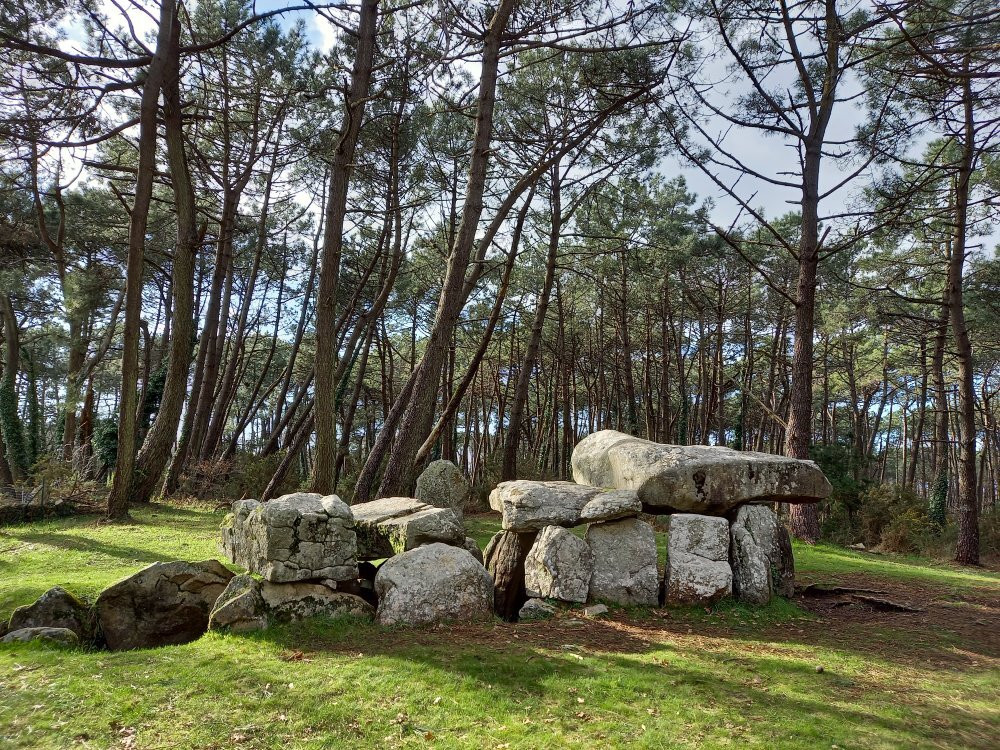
{"x":698,"y":569}
{"x":709,"y":480}
{"x":624,"y":554}
{"x":504,"y":558}
{"x":760,"y":553}
{"x":559,"y":566}
{"x":442,"y":485}
{"x":783,"y":564}
{"x":297,"y":537}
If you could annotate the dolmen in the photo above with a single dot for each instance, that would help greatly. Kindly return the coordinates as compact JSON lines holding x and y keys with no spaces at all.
{"x":723,"y":538}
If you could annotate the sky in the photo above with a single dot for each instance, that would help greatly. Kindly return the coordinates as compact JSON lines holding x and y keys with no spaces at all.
{"x":769,"y":155}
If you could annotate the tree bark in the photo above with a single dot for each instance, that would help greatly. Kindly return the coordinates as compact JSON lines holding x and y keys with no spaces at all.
{"x":118,"y":499}
{"x":324,"y":468}
{"x":155,"y":452}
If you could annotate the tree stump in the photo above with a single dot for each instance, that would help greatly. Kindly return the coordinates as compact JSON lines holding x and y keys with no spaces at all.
{"x":504,"y":557}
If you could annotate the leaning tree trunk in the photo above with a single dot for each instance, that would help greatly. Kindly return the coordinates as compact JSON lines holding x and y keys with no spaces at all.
{"x":324,"y":466}
{"x":118,"y":499}
{"x":155,"y":452}
{"x":418,"y":418}
{"x":508,"y":469}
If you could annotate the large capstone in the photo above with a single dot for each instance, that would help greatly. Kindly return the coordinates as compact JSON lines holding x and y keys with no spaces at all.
{"x":708,"y":480}
{"x":391,"y":525}
{"x":163,"y":604}
{"x":431,"y":584}
{"x":442,"y":485}
{"x":559,"y":566}
{"x":297,"y":537}
{"x":56,"y":608}
{"x":624,"y":554}
{"x":698,"y":569}
{"x":528,"y":505}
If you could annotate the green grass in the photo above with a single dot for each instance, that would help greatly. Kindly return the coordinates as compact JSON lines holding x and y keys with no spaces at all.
{"x":729,"y":677}
{"x":824,"y":560}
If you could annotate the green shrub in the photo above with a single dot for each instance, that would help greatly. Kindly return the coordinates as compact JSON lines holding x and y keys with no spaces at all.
{"x":937,"y":510}
{"x":892,"y":518}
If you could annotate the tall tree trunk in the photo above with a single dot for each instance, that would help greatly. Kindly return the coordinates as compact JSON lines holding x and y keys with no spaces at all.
{"x":324,"y":468}
{"x":804,"y":517}
{"x":118,"y":499}
{"x":967,"y":549}
{"x":419,"y":414}
{"x":155,"y":452}
{"x":10,"y":418}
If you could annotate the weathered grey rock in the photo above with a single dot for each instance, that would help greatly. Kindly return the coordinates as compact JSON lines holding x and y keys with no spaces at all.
{"x":433,"y":583}
{"x":391,"y":525}
{"x":248,"y":604}
{"x":297,"y":537}
{"x":624,"y":554}
{"x":698,"y":568}
{"x":702,"y":479}
{"x":291,"y":602}
{"x":442,"y":485}
{"x":240,"y":608}
{"x":56,"y":608}
{"x":62,"y":636}
{"x":473,"y":546}
{"x":527,"y":505}
{"x":595,"y":610}
{"x":752,"y":539}
{"x":783,"y":564}
{"x":559,"y":566}
{"x":536,"y":609}
{"x":165,"y":603}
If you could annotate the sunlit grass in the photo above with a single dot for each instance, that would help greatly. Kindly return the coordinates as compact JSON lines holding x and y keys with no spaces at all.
{"x":730,"y":676}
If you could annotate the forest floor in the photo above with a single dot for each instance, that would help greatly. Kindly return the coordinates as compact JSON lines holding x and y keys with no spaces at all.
{"x":817,"y":672}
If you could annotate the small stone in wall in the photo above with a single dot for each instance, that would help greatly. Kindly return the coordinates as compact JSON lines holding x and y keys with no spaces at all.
{"x":536,"y":609}
{"x":240,"y":608}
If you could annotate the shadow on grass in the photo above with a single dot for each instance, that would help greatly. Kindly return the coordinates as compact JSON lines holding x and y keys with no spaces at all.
{"x":91,"y":546}
{"x":783,"y":690}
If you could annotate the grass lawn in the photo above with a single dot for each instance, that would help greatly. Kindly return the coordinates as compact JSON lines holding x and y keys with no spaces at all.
{"x":728,"y":677}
